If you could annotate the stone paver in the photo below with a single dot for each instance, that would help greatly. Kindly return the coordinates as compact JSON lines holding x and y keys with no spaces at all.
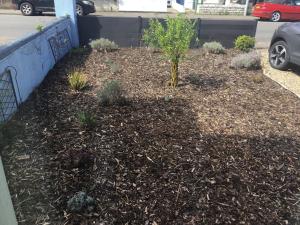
{"x":287,"y":79}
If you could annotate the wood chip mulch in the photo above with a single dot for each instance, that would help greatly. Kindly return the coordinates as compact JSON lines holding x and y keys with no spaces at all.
{"x":223,"y":148}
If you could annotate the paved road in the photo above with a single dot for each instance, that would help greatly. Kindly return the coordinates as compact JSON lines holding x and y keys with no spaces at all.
{"x":13,"y":27}
{"x":264,"y":33}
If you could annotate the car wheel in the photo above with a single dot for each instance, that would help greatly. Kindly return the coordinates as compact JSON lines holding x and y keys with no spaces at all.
{"x":79,"y":10}
{"x":279,"y":55}
{"x":26,"y":9}
{"x":276,"y":16}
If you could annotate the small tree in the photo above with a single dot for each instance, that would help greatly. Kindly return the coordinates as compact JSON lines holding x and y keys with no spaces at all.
{"x":174,"y":40}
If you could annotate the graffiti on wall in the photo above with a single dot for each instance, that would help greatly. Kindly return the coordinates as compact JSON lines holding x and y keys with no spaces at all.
{"x":60,"y":44}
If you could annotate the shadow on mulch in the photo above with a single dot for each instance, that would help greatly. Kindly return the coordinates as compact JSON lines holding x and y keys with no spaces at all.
{"x":205,"y":83}
{"x":153,"y":163}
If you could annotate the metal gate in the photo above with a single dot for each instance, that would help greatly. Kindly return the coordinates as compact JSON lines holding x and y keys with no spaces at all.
{"x":8,"y":98}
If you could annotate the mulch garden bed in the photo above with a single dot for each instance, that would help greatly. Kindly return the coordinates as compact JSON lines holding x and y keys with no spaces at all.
{"x":223,"y":148}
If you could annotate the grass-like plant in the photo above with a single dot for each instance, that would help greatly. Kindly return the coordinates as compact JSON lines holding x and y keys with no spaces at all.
{"x":111,"y":94}
{"x":173,"y":40}
{"x":244,"y":43}
{"x":104,"y":45}
{"x":214,"y":47}
{"x":86,"y":119}
{"x":39,"y":28}
{"x":250,"y":61}
{"x":77,"y":80}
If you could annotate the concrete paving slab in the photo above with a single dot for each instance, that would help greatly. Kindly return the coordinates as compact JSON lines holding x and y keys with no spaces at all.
{"x":290,"y":79}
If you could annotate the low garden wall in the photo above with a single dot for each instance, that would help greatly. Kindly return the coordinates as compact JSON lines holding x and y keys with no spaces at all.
{"x":127,"y":32}
{"x":25,"y":63}
{"x":215,"y":9}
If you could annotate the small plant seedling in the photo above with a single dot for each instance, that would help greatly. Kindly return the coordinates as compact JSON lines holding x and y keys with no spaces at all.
{"x":39,"y":28}
{"x":114,"y":67}
{"x":86,"y":119}
{"x":258,"y":78}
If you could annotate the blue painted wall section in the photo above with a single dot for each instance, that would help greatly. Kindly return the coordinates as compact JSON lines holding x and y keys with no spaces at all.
{"x":30,"y":58}
{"x":68,"y":8}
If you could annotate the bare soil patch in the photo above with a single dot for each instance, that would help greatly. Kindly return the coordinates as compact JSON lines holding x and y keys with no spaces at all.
{"x":220,"y":149}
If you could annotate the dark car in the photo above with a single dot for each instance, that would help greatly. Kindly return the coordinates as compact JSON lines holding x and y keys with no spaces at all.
{"x":285,"y":48}
{"x":30,"y":7}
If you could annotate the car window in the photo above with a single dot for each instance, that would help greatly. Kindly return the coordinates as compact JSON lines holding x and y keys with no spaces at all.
{"x":297,"y":2}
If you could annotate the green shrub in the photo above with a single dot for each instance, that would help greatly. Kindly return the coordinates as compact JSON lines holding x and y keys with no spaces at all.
{"x":111,"y":94}
{"x":104,"y":45}
{"x":77,"y":80}
{"x":86,"y":119}
{"x":173,"y":40}
{"x":244,"y":43}
{"x":250,"y":61}
{"x":214,"y":47}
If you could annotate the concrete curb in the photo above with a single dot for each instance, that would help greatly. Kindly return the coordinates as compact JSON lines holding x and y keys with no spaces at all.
{"x":9,"y":12}
{"x":7,"y":213}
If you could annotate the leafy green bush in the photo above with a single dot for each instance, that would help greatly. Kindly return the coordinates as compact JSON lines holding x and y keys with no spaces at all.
{"x":250,"y":61}
{"x":111,"y":94}
{"x":86,"y":119}
{"x":214,"y":47}
{"x":173,"y":40}
{"x":104,"y":45}
{"x":244,"y":43}
{"x":77,"y":80}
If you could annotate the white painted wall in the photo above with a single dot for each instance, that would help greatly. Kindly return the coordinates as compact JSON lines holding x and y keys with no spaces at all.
{"x":188,"y":4}
{"x":143,"y":5}
{"x":178,"y":7}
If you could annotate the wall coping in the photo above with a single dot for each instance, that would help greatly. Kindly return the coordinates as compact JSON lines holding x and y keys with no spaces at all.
{"x":8,"y":49}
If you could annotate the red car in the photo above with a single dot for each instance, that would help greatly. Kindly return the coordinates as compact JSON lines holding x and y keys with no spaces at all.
{"x":277,"y":10}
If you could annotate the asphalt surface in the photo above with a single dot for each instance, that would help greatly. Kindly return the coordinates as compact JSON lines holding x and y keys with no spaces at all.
{"x":13,"y":25}
{"x":264,"y":33}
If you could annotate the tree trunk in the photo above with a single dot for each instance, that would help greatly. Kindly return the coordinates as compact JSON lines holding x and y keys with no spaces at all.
{"x":174,"y":74}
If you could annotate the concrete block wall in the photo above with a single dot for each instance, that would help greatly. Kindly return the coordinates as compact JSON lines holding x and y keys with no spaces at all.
{"x":31,"y":57}
{"x":215,"y":9}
